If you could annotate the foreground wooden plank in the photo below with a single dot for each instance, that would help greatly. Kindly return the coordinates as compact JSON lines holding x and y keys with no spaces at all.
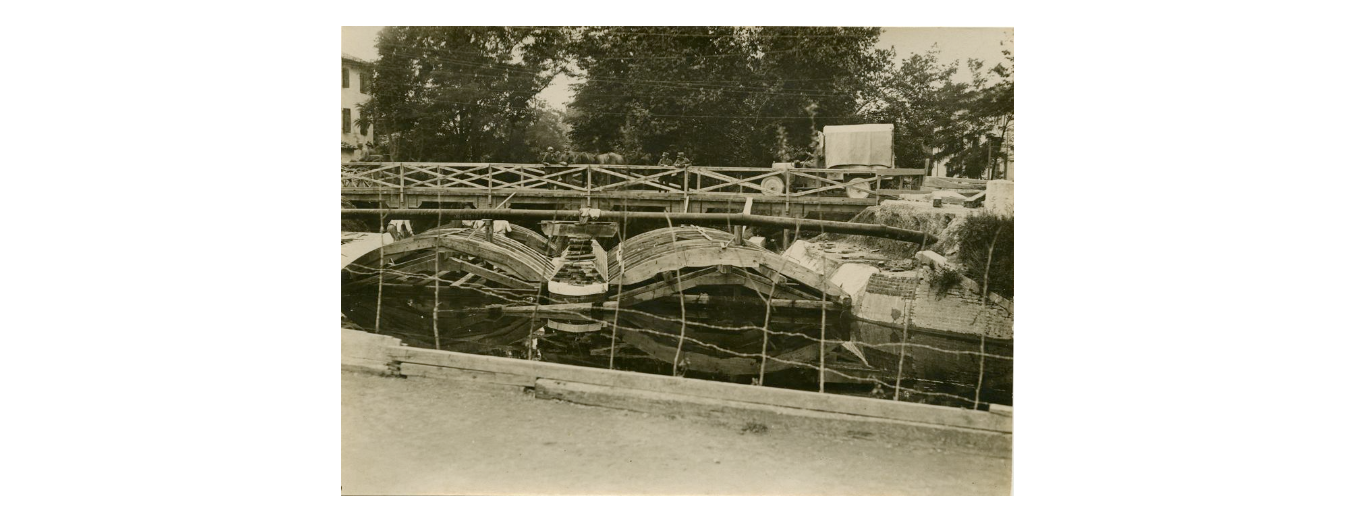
{"x":866,"y":407}
{"x":771,"y":417}
{"x":451,"y":373}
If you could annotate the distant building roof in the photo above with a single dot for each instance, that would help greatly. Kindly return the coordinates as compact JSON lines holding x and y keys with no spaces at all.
{"x":350,"y":58}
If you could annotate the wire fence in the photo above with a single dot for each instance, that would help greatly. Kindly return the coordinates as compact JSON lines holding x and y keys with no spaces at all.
{"x":683,"y":338}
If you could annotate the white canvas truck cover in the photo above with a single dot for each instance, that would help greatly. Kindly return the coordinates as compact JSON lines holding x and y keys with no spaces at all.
{"x":862,"y":145}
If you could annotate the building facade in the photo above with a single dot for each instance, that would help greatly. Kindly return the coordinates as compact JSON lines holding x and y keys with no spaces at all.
{"x":357,"y":76}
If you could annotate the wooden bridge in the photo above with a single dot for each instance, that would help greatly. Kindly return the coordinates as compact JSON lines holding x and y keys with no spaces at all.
{"x":795,"y":192}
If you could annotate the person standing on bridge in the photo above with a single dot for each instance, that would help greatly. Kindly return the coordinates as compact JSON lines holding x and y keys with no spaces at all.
{"x":361,"y":154}
{"x":550,"y":158}
{"x":670,"y":178}
{"x":553,"y":159}
{"x":681,"y":162}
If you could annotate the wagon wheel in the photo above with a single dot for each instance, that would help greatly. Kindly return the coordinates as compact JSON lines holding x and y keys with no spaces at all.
{"x":773,"y":186}
{"x":858,"y":188}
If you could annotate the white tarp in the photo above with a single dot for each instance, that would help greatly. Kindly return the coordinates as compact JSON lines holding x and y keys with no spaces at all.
{"x":853,"y":278}
{"x":799,"y":254}
{"x":860,"y":145}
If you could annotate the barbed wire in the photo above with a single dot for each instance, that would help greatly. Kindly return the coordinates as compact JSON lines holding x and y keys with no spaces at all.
{"x":883,"y":346}
{"x":792,"y":363}
{"x":681,"y":337}
{"x":415,"y":337}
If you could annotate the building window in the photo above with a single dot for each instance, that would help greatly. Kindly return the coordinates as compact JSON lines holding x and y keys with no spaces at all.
{"x":347,"y":121}
{"x":365,"y":87}
{"x":345,"y":77}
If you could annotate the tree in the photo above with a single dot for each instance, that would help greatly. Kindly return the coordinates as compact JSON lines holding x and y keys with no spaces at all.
{"x":547,"y":129}
{"x":723,"y":95}
{"x":460,"y":93}
{"x":937,"y":118}
{"x":996,"y":104}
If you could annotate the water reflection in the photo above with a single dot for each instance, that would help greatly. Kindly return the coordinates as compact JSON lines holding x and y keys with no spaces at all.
{"x":718,"y":343}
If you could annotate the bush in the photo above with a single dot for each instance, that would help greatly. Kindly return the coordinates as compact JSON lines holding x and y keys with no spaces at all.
{"x":942,"y":280}
{"x":974,"y":236}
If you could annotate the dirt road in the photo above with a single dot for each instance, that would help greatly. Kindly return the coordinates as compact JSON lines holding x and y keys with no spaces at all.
{"x":419,"y":436}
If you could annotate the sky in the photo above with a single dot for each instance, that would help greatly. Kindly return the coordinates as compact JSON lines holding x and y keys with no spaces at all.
{"x":955,"y":43}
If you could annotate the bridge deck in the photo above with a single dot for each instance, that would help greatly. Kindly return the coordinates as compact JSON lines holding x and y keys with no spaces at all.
{"x":795,"y":192}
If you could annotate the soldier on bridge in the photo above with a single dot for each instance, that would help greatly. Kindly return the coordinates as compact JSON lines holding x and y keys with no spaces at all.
{"x":669,"y":179}
{"x":553,"y":158}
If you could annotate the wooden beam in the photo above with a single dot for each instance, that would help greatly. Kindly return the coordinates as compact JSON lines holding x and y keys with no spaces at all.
{"x":664,"y":288}
{"x":763,"y":285}
{"x":463,"y":280}
{"x":849,"y":228}
{"x":488,"y":274}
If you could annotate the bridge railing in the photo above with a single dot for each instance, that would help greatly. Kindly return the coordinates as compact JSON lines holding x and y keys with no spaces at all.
{"x":588,"y":179}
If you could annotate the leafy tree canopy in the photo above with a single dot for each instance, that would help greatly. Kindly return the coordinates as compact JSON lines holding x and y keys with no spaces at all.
{"x":938,"y":117}
{"x":723,"y":95}
{"x":460,"y":93}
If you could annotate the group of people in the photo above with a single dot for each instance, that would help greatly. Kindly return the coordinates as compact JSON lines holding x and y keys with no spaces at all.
{"x":367,"y":152}
{"x":680,"y":162}
{"x":552,"y":157}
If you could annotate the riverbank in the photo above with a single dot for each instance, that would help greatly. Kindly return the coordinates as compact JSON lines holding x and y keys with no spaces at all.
{"x":427,"y":436}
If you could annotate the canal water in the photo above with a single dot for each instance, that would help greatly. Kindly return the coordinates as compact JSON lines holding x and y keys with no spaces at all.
{"x":722,"y":341}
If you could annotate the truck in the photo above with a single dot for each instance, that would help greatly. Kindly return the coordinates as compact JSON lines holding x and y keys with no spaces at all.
{"x":853,"y":149}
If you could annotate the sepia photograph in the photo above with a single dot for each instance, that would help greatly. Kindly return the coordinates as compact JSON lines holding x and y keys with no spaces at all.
{"x":689,"y":260}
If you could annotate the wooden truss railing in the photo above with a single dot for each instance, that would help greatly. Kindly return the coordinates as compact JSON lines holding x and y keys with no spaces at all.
{"x":587,"y":179}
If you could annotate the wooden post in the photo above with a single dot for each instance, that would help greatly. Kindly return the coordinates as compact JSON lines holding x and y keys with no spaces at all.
{"x":681,"y":337}
{"x":785,"y":232}
{"x":437,"y":292}
{"x":766,"y":332}
{"x":878,"y":185}
{"x":766,"y":321}
{"x":620,"y":283}
{"x":381,"y":262}
{"x":982,"y":345}
{"x":587,"y":198}
{"x":902,"y":349}
{"x":822,"y":336}
{"x":686,"y":190}
{"x":738,"y":230}
{"x":437,"y":271}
